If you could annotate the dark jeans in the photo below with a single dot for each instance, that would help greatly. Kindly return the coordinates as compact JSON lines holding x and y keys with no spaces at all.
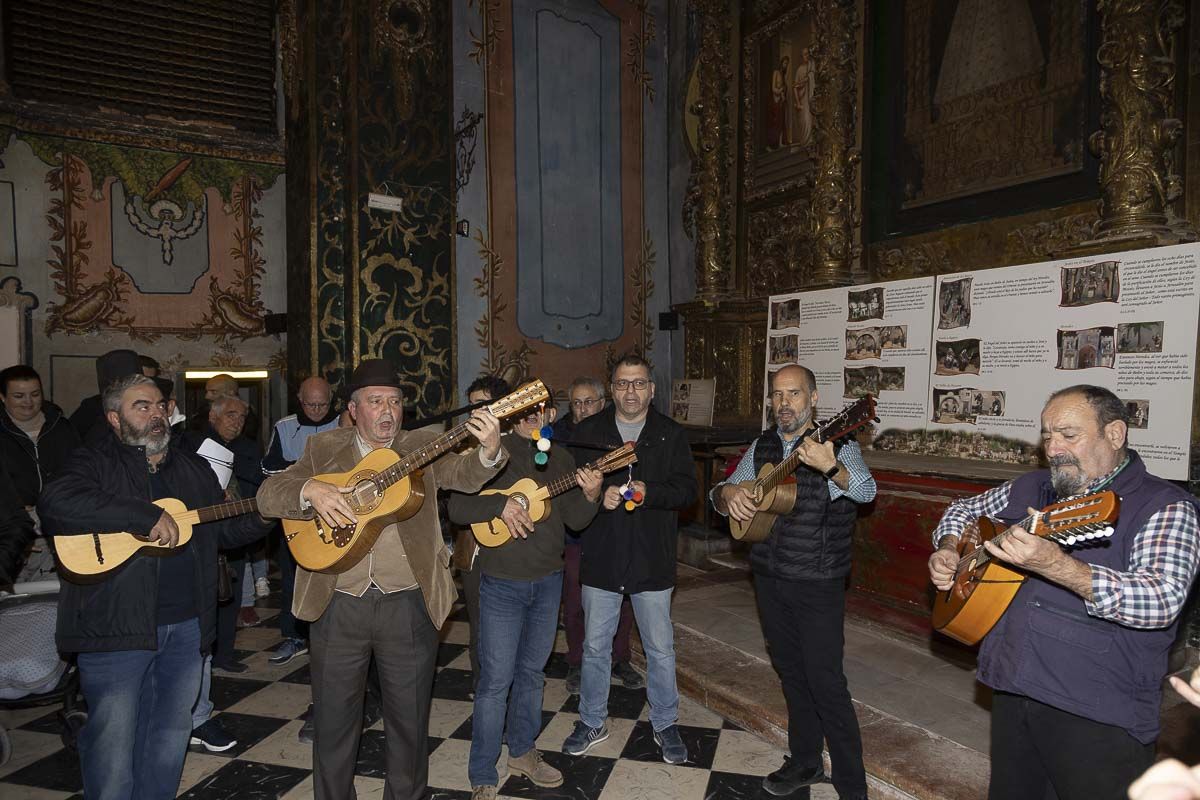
{"x":1042,"y":752}
{"x":803,"y":622}
{"x":572,"y":600}
{"x":396,"y":629}
{"x":139,"y":715}
{"x":289,"y":626}
{"x":227,"y":613}
{"x":470,"y":582}
{"x":516,"y":634}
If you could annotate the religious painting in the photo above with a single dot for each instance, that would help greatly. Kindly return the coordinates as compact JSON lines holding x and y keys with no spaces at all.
{"x":996,"y":95}
{"x":779,"y":78}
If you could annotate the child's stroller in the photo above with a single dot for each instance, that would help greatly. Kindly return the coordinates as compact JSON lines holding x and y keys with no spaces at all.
{"x":31,"y":672}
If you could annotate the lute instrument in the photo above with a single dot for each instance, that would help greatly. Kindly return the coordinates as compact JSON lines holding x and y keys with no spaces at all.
{"x":87,"y":557}
{"x":984,"y":586}
{"x":386,"y":488}
{"x":774,"y":489}
{"x":535,"y":498}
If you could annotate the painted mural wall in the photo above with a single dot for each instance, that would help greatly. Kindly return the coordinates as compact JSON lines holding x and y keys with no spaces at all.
{"x":178,"y":256}
{"x":565,"y":192}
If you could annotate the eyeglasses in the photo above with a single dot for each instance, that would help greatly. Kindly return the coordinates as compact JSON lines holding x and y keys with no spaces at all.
{"x":586,"y":402}
{"x":639,"y":384}
{"x":316,"y":405}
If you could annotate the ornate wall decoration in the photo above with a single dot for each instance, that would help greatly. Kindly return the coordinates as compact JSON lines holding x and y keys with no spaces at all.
{"x":919,"y":260}
{"x":1139,"y":130}
{"x":98,"y":275}
{"x":289,"y":56}
{"x":404,"y":29}
{"x":1041,"y":241}
{"x":483,"y":42}
{"x":635,"y":51}
{"x":706,"y":206}
{"x":642,"y":280}
{"x":779,"y":248}
{"x":512,"y":364}
{"x":834,"y":100}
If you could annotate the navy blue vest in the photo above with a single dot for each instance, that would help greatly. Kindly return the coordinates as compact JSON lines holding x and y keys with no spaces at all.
{"x":1047,"y":647}
{"x":814,"y":541}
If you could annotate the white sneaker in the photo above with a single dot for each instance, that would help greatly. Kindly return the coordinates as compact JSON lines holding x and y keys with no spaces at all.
{"x":261,"y":587}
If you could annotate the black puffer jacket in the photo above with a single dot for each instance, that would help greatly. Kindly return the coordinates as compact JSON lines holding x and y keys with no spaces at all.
{"x":106,"y":487}
{"x":16,"y":531}
{"x":33,"y":465}
{"x":634,"y":551}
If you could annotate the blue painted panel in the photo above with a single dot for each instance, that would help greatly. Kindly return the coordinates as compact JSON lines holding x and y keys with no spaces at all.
{"x":567,"y":87}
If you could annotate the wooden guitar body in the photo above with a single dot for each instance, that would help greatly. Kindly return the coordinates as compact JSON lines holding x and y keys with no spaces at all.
{"x":319,"y":548}
{"x":535,"y":499}
{"x":980,"y":595}
{"x":86,"y":558}
{"x":774,"y":502}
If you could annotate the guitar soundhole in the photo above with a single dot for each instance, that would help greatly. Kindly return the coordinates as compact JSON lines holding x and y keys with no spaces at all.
{"x":366,"y":495}
{"x":521,"y":499}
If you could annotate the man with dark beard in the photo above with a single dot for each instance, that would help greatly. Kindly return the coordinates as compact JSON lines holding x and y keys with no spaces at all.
{"x":140,"y":631}
{"x":1077,"y":661}
{"x":800,"y":573}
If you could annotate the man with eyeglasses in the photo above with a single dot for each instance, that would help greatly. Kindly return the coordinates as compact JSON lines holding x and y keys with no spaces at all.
{"x":586,"y":397}
{"x":632,"y":552}
{"x":288,"y":439}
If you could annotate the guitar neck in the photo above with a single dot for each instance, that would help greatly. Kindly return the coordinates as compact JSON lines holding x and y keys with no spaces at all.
{"x":570,"y":481}
{"x":423,"y":455}
{"x":788,"y":465}
{"x":221,"y":511}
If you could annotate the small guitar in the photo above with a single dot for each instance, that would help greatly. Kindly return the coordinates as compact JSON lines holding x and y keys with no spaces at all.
{"x":536,"y":499}
{"x":387,"y":488}
{"x":86,"y":557}
{"x":774,"y":489}
{"x":983,"y":586}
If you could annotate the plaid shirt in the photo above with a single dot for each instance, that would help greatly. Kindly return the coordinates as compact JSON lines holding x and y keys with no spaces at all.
{"x":1162,"y":561}
{"x":860,"y":486}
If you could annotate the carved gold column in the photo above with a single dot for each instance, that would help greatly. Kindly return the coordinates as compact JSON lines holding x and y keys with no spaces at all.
{"x":834,"y":214}
{"x":1138,"y":182}
{"x":706,"y":214}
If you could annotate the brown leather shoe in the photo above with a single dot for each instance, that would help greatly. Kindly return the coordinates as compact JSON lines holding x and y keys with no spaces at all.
{"x":534,"y":767}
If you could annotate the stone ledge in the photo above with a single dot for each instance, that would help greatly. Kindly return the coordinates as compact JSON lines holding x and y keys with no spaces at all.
{"x":903,"y":761}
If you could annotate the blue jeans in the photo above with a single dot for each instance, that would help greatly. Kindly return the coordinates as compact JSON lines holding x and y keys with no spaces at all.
{"x":517,"y":624}
{"x":139,"y":716}
{"x":601,"y":612}
{"x":204,"y":704}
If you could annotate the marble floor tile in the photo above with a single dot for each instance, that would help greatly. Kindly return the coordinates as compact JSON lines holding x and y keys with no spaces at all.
{"x":739,"y":751}
{"x":554,"y":694}
{"x":279,"y":699}
{"x":457,"y":632}
{"x":247,"y":780}
{"x":197,"y":767}
{"x":261,"y":669}
{"x":635,"y":780}
{"x":13,"y":791}
{"x":448,"y":765}
{"x":582,"y":778}
{"x":282,"y":747}
{"x":28,"y":747}
{"x":447,"y":716}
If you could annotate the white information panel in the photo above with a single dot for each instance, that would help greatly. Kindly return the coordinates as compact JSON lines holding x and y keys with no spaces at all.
{"x":962,"y":365}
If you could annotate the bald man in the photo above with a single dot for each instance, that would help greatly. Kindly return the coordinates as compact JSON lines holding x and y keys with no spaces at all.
{"x":800,"y":582}
{"x":315,"y":414}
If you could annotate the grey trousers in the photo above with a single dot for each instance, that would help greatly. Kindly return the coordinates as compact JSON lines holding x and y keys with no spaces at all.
{"x":397,"y":630}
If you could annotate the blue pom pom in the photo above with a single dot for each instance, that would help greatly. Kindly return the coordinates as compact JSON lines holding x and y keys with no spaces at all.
{"x":547,"y":432}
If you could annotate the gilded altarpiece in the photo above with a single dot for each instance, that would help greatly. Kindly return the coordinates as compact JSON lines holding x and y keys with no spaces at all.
{"x":367,"y":84}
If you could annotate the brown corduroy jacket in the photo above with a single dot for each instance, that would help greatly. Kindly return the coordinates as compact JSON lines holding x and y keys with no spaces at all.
{"x":337,"y":451}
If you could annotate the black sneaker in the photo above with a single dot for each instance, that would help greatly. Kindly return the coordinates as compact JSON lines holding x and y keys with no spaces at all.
{"x":584,"y":738}
{"x":792,"y":776}
{"x":630,"y":678}
{"x":291,"y":648}
{"x":212,"y":737}
{"x":573,"y":678}
{"x":674,"y":751}
{"x":232,"y":667}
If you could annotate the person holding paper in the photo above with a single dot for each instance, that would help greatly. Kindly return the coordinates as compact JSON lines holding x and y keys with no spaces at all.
{"x":800,"y":573}
{"x":1076,"y":662}
{"x":140,"y":630}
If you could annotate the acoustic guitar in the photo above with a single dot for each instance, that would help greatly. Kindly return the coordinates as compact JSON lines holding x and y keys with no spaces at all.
{"x":774,"y":489}
{"x":386,"y":488}
{"x":87,"y":557}
{"x":984,"y":587}
{"x":535,"y":499}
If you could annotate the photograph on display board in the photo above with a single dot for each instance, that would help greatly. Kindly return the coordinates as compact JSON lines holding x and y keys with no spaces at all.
{"x":860,"y":381}
{"x":1087,"y":348}
{"x":1140,"y":337}
{"x":891,"y":379}
{"x":957,"y":358}
{"x":785,"y":314}
{"x":784,"y":349}
{"x":1137,"y":413}
{"x":862,"y":343}
{"x":894,"y":337}
{"x":864,"y":304}
{"x":682,"y":392}
{"x":1091,"y":283}
{"x":679,"y":410}
{"x":954,"y":304}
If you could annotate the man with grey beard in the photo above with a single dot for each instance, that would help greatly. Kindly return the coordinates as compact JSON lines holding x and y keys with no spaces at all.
{"x":1076,"y":663}
{"x":140,"y":630}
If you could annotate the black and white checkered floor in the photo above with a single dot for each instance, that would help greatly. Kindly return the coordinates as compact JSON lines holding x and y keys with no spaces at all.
{"x":262,"y":706}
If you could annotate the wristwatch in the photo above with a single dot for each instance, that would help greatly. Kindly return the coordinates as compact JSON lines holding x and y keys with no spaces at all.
{"x":829,"y":473}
